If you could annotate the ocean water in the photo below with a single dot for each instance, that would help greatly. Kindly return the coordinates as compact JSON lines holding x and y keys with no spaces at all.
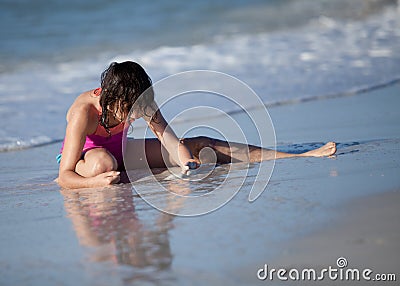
{"x":286,"y":51}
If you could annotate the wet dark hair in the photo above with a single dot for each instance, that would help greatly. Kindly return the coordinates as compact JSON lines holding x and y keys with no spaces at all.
{"x":123,"y":85}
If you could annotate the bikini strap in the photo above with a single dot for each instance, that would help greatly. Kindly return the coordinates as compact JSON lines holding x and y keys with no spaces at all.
{"x":97,"y":91}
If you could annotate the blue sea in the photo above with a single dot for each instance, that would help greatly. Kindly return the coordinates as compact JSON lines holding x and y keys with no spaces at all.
{"x":284,"y":50}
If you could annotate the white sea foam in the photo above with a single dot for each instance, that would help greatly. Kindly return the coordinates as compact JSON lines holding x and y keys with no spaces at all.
{"x":14,"y":144}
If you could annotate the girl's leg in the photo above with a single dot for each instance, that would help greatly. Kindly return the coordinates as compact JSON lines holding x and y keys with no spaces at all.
{"x":230,"y":152}
{"x":327,"y":150}
{"x":95,"y":162}
{"x":136,"y":153}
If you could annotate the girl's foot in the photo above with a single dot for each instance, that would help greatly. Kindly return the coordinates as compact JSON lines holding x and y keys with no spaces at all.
{"x":327,"y":150}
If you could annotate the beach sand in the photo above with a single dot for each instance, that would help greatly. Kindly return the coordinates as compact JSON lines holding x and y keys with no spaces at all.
{"x":313,"y":211}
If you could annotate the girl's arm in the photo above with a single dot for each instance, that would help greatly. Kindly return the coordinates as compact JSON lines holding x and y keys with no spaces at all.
{"x":178,"y":151}
{"x":78,"y":126}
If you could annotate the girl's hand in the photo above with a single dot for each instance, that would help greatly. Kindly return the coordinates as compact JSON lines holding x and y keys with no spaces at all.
{"x":190,"y":165}
{"x":105,"y":179}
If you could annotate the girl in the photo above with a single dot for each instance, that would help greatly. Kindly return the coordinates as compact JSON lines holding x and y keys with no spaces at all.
{"x":94,"y":145}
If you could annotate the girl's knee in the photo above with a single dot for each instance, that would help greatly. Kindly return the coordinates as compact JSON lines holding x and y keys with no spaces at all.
{"x":103,"y":162}
{"x":196,"y":144}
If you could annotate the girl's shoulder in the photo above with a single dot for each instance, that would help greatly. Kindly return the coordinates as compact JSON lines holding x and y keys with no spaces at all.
{"x":85,"y":105}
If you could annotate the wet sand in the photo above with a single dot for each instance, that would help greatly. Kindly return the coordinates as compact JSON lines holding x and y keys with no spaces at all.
{"x":313,"y":211}
{"x":366,"y":234}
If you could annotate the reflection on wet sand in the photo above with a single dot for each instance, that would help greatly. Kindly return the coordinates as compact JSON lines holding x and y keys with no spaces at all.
{"x":106,"y":222}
